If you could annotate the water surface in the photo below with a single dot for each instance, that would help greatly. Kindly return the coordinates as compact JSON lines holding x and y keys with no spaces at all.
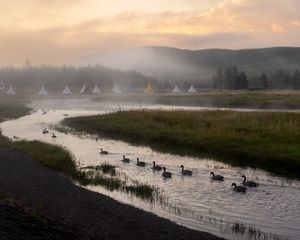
{"x":195,"y":202}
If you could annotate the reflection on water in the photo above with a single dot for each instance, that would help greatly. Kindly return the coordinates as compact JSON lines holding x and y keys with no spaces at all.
{"x":196,"y":202}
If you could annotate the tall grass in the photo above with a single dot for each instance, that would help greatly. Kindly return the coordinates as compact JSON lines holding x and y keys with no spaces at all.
{"x":60,"y":159}
{"x":52,"y":156}
{"x":266,"y":140}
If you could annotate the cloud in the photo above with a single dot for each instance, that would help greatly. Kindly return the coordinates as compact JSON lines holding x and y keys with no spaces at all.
{"x":60,"y":31}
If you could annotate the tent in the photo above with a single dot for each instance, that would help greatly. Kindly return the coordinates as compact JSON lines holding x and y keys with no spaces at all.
{"x":43,"y":92}
{"x":82,"y":89}
{"x":96,"y":90}
{"x":148,"y":89}
{"x":11,"y":91}
{"x":176,"y":89}
{"x":192,"y":90}
{"x":116,"y":89}
{"x":67,"y":91}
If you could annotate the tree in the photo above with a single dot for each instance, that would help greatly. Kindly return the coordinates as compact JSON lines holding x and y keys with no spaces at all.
{"x":218,"y":80}
{"x":241,"y":81}
{"x":230,"y":78}
{"x":295,"y":80}
{"x":264,"y":81}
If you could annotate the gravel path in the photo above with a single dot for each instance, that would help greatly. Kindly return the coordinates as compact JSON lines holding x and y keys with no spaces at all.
{"x":94,"y":216}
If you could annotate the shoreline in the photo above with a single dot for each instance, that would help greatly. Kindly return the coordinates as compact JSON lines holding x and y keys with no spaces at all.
{"x":92,"y":214}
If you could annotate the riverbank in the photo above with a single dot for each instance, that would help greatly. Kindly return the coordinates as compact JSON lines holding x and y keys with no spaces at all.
{"x":265,"y":140}
{"x":92,"y":215}
{"x":283,"y":100}
{"x":38,"y":202}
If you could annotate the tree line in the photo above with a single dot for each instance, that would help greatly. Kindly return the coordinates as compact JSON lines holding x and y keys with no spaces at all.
{"x":231,"y":79}
{"x":32,"y":77}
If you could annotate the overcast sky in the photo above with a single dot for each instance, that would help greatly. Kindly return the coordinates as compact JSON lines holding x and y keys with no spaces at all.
{"x":61,"y":31}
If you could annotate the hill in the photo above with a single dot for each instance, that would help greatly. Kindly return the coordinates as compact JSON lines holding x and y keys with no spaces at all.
{"x":173,"y":64}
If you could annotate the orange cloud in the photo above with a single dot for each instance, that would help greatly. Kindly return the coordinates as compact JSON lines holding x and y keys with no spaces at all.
{"x":59,"y":31}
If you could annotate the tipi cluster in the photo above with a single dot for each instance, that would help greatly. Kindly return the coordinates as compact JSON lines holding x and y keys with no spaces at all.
{"x":96,"y":90}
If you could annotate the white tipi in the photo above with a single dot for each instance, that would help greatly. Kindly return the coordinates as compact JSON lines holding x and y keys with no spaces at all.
{"x":11,"y":91}
{"x":192,"y":90}
{"x":96,"y":90}
{"x":176,"y":89}
{"x":43,"y":92}
{"x":82,"y":89}
{"x":67,"y":91}
{"x":116,"y":89}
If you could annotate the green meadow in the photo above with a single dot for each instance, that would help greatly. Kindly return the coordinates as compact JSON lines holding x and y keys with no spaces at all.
{"x":266,"y":140}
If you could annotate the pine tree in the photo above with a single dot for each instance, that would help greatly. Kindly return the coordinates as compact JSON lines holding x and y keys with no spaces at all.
{"x":264,"y":81}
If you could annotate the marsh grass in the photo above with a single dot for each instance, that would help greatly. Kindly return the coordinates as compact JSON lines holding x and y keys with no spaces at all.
{"x":53,"y":156}
{"x":252,"y":100}
{"x":105,"y":168}
{"x":58,"y":158}
{"x":266,"y":140}
{"x":253,"y":233}
{"x":224,"y":99}
{"x":10,"y":110}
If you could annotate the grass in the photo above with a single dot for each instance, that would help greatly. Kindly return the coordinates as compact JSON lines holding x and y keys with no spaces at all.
{"x":58,"y":158}
{"x":105,"y":168}
{"x":266,"y":140}
{"x":225,"y":99}
{"x":10,"y":110}
{"x":52,"y":156}
{"x":252,"y":100}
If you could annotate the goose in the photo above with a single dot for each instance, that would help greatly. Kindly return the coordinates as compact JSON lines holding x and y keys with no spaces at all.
{"x":185,"y":172}
{"x":103,"y":152}
{"x":45,"y":131}
{"x":139,"y":163}
{"x":249,"y":183}
{"x":53,"y":135}
{"x":166,"y":174}
{"x":125,"y":160}
{"x":238,"y":188}
{"x":216,"y":177}
{"x":156,"y":167}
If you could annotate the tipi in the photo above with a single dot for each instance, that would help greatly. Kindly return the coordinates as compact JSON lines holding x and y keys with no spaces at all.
{"x":67,"y":91}
{"x":116,"y":89}
{"x":82,"y":89}
{"x":192,"y":90}
{"x":11,"y":91}
{"x":176,"y":89}
{"x":43,"y":92}
{"x":148,"y":89}
{"x":96,"y":90}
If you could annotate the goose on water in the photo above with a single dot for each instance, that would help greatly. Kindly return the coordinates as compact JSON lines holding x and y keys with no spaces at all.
{"x":185,"y":172}
{"x":45,"y":131}
{"x":125,"y":160}
{"x":103,"y":152}
{"x":139,"y":163}
{"x":216,"y":177}
{"x":249,"y":183}
{"x":238,"y":188}
{"x":166,"y":174}
{"x":156,"y":167}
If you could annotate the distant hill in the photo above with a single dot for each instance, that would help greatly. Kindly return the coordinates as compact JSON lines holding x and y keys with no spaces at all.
{"x":173,"y":64}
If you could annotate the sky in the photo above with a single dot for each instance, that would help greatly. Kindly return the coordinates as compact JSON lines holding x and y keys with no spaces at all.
{"x":62,"y":31}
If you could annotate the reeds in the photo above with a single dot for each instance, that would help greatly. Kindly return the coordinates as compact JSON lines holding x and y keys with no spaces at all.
{"x":266,"y":140}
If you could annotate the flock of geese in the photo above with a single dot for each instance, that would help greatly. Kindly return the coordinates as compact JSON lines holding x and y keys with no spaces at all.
{"x":185,"y":172}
